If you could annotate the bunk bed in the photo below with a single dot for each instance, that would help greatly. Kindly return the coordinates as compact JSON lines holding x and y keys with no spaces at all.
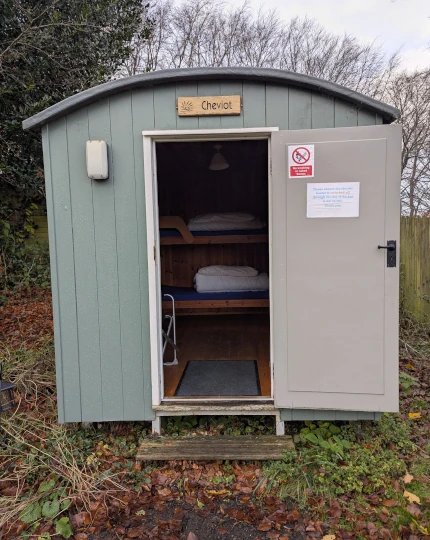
{"x":174,"y":231}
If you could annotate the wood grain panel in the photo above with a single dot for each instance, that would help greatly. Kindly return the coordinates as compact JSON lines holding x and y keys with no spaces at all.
{"x":322,"y":111}
{"x":366,"y":118}
{"x":228,"y":337}
{"x":107,"y":271}
{"x":277,"y":106}
{"x":238,"y":448}
{"x":299,"y":109}
{"x":180,"y":263}
{"x":68,"y":369}
{"x":254,"y":104}
{"x":54,"y":265}
{"x":128,"y":256}
{"x":81,"y":192}
{"x":186,"y":186}
{"x":230,"y":239}
{"x":345,"y":114}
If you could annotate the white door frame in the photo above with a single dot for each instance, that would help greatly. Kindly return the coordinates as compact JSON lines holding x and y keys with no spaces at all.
{"x":153,"y":236}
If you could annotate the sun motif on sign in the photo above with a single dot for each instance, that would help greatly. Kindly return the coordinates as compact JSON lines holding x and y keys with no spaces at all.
{"x":186,"y":106}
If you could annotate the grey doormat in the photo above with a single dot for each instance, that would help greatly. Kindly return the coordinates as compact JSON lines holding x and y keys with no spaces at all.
{"x":219,"y":378}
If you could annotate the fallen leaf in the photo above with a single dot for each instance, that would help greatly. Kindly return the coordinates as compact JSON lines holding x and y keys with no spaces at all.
{"x":292,"y":516}
{"x":216,"y":493}
{"x":265,"y":525}
{"x":410,"y":366}
{"x":329,"y":537}
{"x":413,"y":509}
{"x":140,"y":513}
{"x":134,"y":533}
{"x":411,"y":497}
{"x":414,"y":415}
{"x":407,"y":479}
{"x":389,"y":502}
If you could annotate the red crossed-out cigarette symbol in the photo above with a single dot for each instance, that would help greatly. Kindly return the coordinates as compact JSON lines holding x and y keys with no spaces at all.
{"x":301,"y":155}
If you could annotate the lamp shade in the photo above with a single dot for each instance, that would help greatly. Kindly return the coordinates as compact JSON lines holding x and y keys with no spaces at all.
{"x":218,"y":163}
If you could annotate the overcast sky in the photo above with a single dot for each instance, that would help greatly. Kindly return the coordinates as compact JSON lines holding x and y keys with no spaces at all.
{"x":394,"y":23}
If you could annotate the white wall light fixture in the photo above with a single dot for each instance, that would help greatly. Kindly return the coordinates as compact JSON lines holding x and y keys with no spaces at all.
{"x":97,"y":160}
{"x":218,"y":163}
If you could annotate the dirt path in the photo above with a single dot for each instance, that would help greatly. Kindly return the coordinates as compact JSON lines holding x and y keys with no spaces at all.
{"x":180,"y":521}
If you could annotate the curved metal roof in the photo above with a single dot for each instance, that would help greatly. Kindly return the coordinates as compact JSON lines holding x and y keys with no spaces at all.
{"x":275,"y":76}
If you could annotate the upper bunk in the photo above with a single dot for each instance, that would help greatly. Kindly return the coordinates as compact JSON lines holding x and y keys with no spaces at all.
{"x":188,"y":189}
{"x":174,"y":231}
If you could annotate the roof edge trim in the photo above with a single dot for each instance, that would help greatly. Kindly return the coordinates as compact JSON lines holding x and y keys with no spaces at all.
{"x":274,"y":76}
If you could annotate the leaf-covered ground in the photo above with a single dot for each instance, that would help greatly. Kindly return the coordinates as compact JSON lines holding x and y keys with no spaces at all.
{"x":345,"y":480}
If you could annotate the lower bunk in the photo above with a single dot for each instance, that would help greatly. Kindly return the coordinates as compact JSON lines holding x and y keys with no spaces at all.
{"x":189,"y":298}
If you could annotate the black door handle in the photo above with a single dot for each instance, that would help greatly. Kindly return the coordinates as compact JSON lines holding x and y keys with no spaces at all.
{"x":391,"y":248}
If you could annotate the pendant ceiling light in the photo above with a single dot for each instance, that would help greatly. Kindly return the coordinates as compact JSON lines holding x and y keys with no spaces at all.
{"x":218,"y":163}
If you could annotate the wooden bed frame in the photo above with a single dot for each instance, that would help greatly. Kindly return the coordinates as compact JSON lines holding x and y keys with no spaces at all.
{"x":217,"y":304}
{"x":182,"y":256}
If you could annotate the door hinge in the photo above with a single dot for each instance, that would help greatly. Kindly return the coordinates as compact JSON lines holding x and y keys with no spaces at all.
{"x":155,"y":253}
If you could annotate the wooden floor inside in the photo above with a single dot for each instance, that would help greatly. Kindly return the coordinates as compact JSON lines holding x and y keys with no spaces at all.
{"x":220,"y":337}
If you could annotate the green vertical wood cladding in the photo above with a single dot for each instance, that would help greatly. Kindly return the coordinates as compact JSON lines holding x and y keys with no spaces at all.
{"x":345,"y":114}
{"x":366,"y":118}
{"x":299,"y":109}
{"x":50,"y":205}
{"x":277,"y":106}
{"x":97,"y":234}
{"x":84,"y":246}
{"x":65,"y":266}
{"x":104,"y":201}
{"x":322,"y":111}
{"x":127,"y":255}
{"x":254,"y":104}
{"x":165,"y":113}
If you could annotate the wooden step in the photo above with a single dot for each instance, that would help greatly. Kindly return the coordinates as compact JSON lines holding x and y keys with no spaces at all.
{"x":212,"y":448}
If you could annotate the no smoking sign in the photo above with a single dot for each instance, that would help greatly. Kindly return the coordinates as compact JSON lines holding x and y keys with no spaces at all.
{"x":301,"y":161}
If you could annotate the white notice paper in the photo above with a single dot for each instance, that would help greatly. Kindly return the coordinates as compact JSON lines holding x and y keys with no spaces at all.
{"x":333,"y":200}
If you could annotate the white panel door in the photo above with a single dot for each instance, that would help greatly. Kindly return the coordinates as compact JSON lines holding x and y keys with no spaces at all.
{"x":334,"y":293}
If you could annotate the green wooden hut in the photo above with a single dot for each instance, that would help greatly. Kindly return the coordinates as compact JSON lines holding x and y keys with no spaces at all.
{"x":223,"y":241}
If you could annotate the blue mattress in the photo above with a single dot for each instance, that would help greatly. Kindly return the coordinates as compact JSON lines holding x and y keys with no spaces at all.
{"x":189,"y":293}
{"x":175,"y":232}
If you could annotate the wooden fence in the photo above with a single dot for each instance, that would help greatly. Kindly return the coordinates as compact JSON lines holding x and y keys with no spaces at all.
{"x":415,"y":265}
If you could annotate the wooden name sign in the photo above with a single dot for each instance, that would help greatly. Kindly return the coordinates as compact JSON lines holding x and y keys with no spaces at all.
{"x":208,"y":105}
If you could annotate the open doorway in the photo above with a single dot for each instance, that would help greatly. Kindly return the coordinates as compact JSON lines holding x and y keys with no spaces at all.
{"x":214,"y":269}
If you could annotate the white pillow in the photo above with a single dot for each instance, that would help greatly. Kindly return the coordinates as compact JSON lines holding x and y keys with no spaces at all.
{"x":222,"y":216}
{"x":222,"y":270}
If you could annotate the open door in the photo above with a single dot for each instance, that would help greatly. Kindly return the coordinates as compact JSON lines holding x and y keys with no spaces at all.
{"x":335,"y":199}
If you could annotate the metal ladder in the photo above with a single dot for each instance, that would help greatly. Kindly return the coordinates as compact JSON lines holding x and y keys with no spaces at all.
{"x":166,"y":333}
